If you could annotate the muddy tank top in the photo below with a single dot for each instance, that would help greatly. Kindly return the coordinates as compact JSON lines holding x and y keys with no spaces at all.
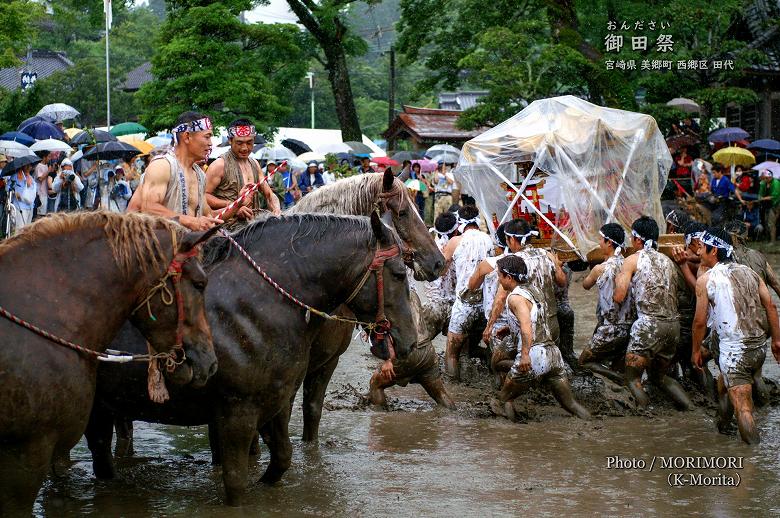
{"x":489,"y":290}
{"x":539,"y":330}
{"x":443,"y":288}
{"x":736,"y":312}
{"x":541,"y":277}
{"x":607,"y":310}
{"x":474,"y":246}
{"x":654,"y":286}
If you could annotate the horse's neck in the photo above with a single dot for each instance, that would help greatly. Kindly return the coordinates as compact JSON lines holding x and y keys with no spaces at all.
{"x":68,"y":285}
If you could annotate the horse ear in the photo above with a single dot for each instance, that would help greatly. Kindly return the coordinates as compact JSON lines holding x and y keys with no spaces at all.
{"x":193,"y":239}
{"x":387,"y":181}
{"x":382,"y":230}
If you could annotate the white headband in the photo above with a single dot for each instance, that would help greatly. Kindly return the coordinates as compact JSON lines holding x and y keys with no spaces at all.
{"x":198,"y":125}
{"x":618,"y":246}
{"x":523,"y":237}
{"x":472,"y":221}
{"x":517,"y":276}
{"x":648,"y":243}
{"x":242,"y":130}
{"x":450,"y":231}
{"x":708,"y":239}
{"x":690,"y":237}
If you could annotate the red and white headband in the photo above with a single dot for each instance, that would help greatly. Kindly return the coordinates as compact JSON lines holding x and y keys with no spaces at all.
{"x":242,"y":131}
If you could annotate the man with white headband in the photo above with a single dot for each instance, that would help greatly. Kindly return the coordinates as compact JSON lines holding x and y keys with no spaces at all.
{"x":734,"y":302}
{"x":174,"y":185}
{"x":464,"y":253}
{"x":440,"y":294}
{"x":229,"y":175}
{"x":651,"y":278}
{"x":537,"y":357}
{"x":613,"y":321}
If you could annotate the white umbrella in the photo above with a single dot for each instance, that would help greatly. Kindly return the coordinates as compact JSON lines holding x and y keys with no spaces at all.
{"x":50,"y":144}
{"x":274,"y":153}
{"x":58,"y":112}
{"x":78,"y":155}
{"x":312,"y":155}
{"x":334,"y":147}
{"x":159,"y":140}
{"x":14,"y":149}
{"x":447,"y":157}
{"x":442,"y":148}
{"x":686,"y":105}
{"x":218,"y":151}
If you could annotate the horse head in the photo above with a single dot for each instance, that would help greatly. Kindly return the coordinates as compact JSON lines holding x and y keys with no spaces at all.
{"x":420,"y":251}
{"x":384,"y":297}
{"x":173,"y":312}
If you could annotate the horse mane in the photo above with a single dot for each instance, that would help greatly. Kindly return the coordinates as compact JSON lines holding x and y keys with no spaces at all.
{"x":308,"y":227}
{"x":131,"y":237}
{"x":353,"y":195}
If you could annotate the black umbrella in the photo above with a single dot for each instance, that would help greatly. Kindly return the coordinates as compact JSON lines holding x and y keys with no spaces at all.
{"x":359,"y":147}
{"x":17,"y":163}
{"x":296,"y":146}
{"x":257,"y":148}
{"x":91,"y":137}
{"x":259,"y":139}
{"x":112,"y":151}
{"x":407,"y":155}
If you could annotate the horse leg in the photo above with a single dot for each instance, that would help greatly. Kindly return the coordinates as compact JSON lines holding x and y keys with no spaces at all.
{"x":124,"y":438}
{"x":23,"y":468}
{"x":214,"y":444}
{"x":99,"y":432}
{"x":314,"y":386}
{"x":277,"y":436}
{"x":236,"y":425}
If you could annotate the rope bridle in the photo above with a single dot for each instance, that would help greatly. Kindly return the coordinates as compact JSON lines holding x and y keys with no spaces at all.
{"x":173,"y":273}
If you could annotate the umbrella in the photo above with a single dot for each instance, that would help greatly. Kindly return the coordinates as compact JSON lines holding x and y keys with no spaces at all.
{"x":92,"y":136}
{"x":218,"y":152}
{"x":18,"y":136}
{"x":274,"y":153}
{"x":446,"y":157}
{"x":111,"y":151}
{"x":334,"y":147}
{"x":769,"y":165}
{"x":296,"y":146}
{"x":312,"y":155}
{"x":359,"y":147}
{"x":159,"y":140}
{"x":42,"y":129}
{"x":143,"y":146}
{"x":14,"y":149}
{"x":58,"y":112}
{"x":385,"y":161}
{"x":72,"y":132}
{"x":17,"y":163}
{"x":766,"y":144}
{"x":426,"y":166}
{"x":677,"y":142}
{"x":734,"y":156}
{"x":50,"y":144}
{"x":686,"y":105}
{"x":127,"y":128}
{"x":728,"y":135}
{"x":442,"y":148}
{"x":259,"y":139}
{"x":416,"y":185}
{"x":257,"y":147}
{"x":401,"y":156}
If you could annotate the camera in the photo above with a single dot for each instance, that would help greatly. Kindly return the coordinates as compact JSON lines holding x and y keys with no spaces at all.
{"x":69,"y":176}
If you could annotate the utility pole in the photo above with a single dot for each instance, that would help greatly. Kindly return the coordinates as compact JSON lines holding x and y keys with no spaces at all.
{"x":310,"y":76}
{"x":108,"y":13}
{"x":391,"y":98}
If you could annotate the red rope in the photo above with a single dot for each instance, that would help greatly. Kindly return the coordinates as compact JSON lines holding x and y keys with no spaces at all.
{"x":253,"y":187}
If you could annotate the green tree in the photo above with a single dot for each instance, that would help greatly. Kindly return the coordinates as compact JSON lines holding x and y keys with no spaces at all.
{"x":208,"y":60}
{"x":16,"y":28}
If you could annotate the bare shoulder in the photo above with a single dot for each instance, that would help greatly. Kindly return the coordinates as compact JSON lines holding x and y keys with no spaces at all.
{"x":159,"y":171}
{"x":217,"y":167}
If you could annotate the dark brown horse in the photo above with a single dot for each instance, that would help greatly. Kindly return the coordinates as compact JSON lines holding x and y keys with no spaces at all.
{"x":263,"y":339}
{"x":357,"y":196}
{"x":80,"y":277}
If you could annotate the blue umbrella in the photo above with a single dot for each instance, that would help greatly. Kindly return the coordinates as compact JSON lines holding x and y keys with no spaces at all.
{"x":18,"y":136}
{"x":25,"y":122}
{"x":41,"y":130}
{"x":766,"y":144}
{"x":728,"y":135}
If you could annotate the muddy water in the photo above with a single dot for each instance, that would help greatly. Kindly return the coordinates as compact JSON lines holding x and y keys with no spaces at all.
{"x":419,"y":460}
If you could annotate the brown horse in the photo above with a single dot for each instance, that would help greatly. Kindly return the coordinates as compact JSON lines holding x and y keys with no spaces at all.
{"x":79,"y":277}
{"x":357,"y":196}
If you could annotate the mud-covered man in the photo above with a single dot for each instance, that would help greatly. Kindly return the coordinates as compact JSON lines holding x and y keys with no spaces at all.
{"x":737,"y":305}
{"x":613,"y":321}
{"x":538,"y":359}
{"x":651,"y":278}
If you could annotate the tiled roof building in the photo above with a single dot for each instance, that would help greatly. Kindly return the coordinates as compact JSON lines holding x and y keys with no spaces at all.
{"x":42,"y":62}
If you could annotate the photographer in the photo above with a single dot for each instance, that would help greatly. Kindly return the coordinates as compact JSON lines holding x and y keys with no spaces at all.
{"x":119,"y":191}
{"x":67,"y":187}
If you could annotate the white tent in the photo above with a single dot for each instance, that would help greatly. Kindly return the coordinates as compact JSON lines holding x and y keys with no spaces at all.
{"x":317,"y":139}
{"x":598,"y":164}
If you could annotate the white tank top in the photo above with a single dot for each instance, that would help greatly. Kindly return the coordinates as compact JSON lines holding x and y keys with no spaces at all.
{"x":474,"y":246}
{"x":514,"y":324}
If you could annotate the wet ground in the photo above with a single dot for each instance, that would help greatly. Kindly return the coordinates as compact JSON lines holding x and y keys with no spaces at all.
{"x":419,"y":460}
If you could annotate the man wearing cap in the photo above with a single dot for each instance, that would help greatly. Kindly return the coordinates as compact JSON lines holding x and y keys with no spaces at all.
{"x":443,"y":181}
{"x":229,"y":175}
{"x":311,"y":178}
{"x":736,"y":304}
{"x":174,"y":184}
{"x":651,"y":278}
{"x":67,"y":185}
{"x":769,"y":196}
